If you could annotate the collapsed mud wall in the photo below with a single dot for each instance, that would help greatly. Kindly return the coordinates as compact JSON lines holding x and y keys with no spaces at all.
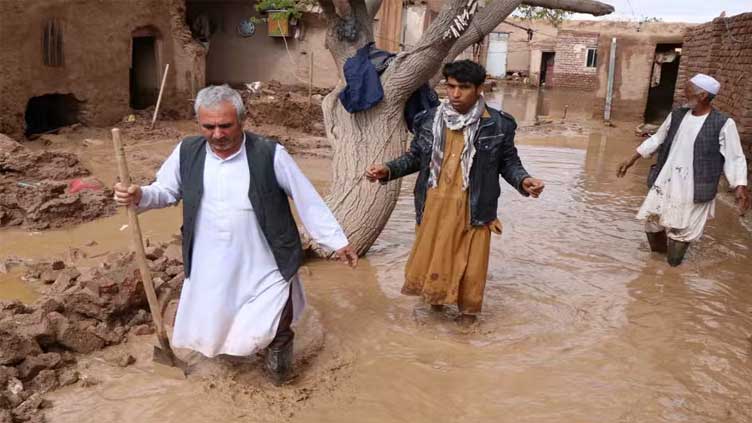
{"x":723,"y":49}
{"x":85,"y":50}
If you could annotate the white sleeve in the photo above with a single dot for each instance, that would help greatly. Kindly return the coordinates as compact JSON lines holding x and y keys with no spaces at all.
{"x":735,"y":165}
{"x":650,"y":145}
{"x":316,"y":216}
{"x":166,"y":190}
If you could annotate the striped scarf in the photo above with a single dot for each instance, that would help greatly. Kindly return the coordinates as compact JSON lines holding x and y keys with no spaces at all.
{"x":447,"y":117}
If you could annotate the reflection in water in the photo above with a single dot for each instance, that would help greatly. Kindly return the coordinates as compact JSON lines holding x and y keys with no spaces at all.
{"x":12,"y":288}
{"x":527,"y":103}
{"x":581,"y":323}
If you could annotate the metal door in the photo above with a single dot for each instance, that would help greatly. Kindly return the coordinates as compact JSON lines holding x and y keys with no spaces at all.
{"x":496,"y":60}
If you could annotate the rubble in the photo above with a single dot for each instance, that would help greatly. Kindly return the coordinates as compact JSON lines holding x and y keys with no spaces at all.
{"x":85,"y":310}
{"x":34,"y":189}
{"x":286,"y":106}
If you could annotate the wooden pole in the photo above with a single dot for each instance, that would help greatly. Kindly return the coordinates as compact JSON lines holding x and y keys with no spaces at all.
{"x":159,"y":99}
{"x":310,"y":80}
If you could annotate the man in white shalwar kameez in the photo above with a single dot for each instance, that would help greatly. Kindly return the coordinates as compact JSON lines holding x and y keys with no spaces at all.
{"x":236,"y":298}
{"x":695,"y":145}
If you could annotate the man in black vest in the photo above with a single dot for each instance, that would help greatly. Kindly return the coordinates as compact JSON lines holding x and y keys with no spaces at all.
{"x":695,"y":145}
{"x":241,"y":248}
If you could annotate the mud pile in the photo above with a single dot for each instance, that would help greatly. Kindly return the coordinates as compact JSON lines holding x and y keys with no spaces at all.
{"x":83,"y":309}
{"x":35,"y":190}
{"x":288,"y":106}
{"x":137,"y":126}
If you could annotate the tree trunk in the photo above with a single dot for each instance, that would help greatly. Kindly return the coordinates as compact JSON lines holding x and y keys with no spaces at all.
{"x":380,"y":134}
{"x":359,"y":140}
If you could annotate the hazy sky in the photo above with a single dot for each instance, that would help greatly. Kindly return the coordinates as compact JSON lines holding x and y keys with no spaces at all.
{"x":674,"y":10}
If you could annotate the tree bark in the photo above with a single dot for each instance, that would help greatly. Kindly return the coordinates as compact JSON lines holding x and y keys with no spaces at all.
{"x":592,"y":7}
{"x":380,"y":134}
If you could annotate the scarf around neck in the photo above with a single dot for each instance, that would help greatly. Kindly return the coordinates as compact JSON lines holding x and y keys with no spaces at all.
{"x":448,"y":117}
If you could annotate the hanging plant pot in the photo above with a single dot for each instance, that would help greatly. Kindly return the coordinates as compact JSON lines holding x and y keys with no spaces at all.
{"x":278,"y":23}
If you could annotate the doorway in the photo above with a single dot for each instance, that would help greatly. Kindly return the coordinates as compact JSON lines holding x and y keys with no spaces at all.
{"x":49,"y":112}
{"x":548,"y":59}
{"x":663,"y":82}
{"x":144,"y":86}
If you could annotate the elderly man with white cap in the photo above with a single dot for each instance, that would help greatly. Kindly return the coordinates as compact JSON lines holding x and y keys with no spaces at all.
{"x":695,"y":145}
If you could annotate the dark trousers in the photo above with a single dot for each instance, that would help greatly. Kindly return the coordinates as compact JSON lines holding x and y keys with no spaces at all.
{"x":285,"y":333}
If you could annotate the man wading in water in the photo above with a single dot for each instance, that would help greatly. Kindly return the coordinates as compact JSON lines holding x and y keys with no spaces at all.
{"x":241,"y":247}
{"x":459,"y":148}
{"x":695,"y":145}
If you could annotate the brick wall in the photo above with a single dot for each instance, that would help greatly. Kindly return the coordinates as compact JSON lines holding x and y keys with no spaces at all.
{"x":723,"y":49}
{"x":570,"y":68}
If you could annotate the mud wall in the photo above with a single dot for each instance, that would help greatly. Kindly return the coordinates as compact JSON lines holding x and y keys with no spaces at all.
{"x":96,"y":48}
{"x":723,"y":49}
{"x":237,"y":60}
{"x":635,"y":53}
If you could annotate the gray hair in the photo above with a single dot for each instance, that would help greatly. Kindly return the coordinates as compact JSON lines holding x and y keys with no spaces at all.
{"x":211,"y":96}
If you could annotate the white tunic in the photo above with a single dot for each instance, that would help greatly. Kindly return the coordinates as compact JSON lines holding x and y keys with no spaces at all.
{"x":670,"y":202}
{"x":233,"y":301}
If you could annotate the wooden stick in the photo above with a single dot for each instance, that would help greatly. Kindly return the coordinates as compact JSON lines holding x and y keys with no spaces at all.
{"x":310,"y":81}
{"x":138,"y":246}
{"x":159,"y":99}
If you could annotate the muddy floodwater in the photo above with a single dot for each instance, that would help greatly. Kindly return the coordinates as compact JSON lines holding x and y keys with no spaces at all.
{"x":581,"y":323}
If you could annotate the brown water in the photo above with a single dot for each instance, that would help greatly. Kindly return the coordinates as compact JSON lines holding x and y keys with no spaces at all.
{"x":581,"y":323}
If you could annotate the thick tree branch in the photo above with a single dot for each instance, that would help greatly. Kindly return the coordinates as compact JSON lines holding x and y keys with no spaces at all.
{"x":421,"y":64}
{"x":373,"y":7}
{"x":412,"y":68}
{"x":346,"y":34}
{"x":484,"y":22}
{"x":591,"y":7}
{"x":342,"y":7}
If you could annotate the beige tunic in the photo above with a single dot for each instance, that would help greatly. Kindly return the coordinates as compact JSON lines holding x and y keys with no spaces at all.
{"x":449,"y":260}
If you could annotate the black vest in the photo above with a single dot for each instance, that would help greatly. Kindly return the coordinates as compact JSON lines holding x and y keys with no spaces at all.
{"x":268,"y":199}
{"x":707,"y":161}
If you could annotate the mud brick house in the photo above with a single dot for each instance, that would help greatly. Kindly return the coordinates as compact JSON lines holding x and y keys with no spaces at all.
{"x":723,"y":49}
{"x":576,"y":59}
{"x":67,"y":61}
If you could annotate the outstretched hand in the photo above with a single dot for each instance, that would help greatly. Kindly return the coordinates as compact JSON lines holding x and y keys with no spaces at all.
{"x":533,"y":186}
{"x":626,"y":164}
{"x":623,"y":168}
{"x":347,"y":255}
{"x":377,"y":172}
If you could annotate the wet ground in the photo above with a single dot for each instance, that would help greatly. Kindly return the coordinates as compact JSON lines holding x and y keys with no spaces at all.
{"x":581,"y":323}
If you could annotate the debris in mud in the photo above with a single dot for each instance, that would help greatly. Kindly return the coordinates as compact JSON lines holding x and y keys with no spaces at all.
{"x":545,"y":127}
{"x":286,"y":106}
{"x":84,"y":310}
{"x":35,"y":191}
{"x":137,"y":126}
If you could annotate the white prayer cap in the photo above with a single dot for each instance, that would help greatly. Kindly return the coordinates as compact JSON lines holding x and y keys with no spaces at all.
{"x":706,"y":83}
